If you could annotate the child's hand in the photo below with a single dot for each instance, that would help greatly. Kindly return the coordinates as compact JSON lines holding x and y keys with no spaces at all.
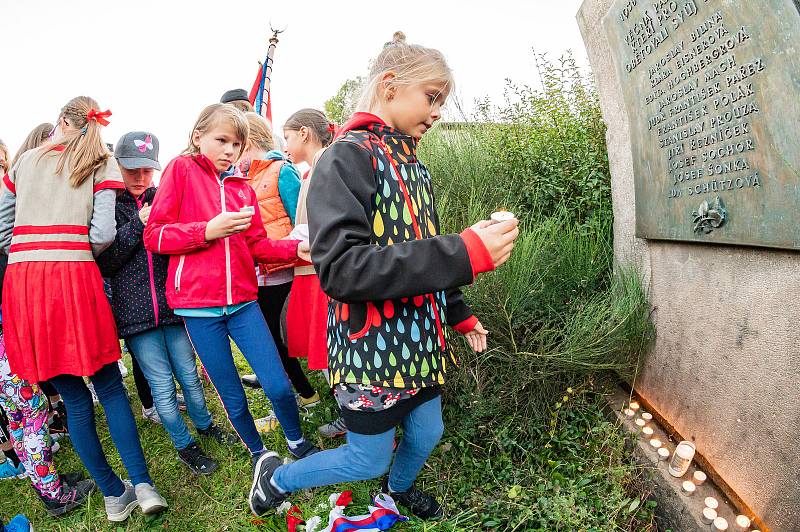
{"x":498,"y":238}
{"x":144,"y":213}
{"x":477,"y":338}
{"x":226,"y":224}
{"x":304,"y":251}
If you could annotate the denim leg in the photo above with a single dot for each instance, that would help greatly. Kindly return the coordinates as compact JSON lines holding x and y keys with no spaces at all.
{"x":422,"y":430}
{"x":209,"y":337}
{"x":249,"y":330}
{"x":108,"y":386}
{"x":363,"y":457}
{"x":83,"y":433}
{"x":184,"y":367}
{"x":151,"y":350}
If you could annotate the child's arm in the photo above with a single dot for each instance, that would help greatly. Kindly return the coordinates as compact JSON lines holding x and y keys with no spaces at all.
{"x":263,"y":249}
{"x":163,"y":234}
{"x":350,"y":268}
{"x":289,"y":188}
{"x":8,"y":210}
{"x":127,"y":241}
{"x":103,"y":225}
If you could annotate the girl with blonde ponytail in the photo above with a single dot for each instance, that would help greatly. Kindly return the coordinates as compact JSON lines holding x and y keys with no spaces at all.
{"x":56,"y":214}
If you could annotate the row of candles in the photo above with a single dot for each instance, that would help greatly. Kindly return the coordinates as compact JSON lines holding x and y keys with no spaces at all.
{"x":679,"y":466}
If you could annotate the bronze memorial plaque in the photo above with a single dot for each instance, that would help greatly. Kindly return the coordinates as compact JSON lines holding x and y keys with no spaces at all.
{"x":712,"y":90}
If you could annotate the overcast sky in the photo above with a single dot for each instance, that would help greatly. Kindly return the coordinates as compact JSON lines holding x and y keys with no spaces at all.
{"x":156,"y":64}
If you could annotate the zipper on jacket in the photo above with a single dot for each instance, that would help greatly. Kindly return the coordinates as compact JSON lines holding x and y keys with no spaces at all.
{"x":178,"y":272}
{"x":228,"y":294}
{"x":417,"y":232}
{"x":150,"y":271}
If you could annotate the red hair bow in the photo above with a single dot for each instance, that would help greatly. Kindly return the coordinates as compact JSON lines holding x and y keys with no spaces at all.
{"x":99,"y":116}
{"x":332,"y":128}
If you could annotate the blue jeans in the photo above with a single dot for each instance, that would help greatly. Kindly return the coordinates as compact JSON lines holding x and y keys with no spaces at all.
{"x":249,"y":330}
{"x":163,"y":352}
{"x":83,"y":431}
{"x":368,"y":456}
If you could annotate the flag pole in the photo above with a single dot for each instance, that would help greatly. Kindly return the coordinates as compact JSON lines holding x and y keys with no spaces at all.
{"x":263,"y":103}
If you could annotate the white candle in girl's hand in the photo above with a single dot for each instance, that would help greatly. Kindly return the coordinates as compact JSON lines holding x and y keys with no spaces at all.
{"x":699,"y":478}
{"x":688,"y":487}
{"x":742,"y":523}
{"x":712,"y":503}
{"x":709,"y":514}
{"x":501,"y":216}
{"x":720,"y":523}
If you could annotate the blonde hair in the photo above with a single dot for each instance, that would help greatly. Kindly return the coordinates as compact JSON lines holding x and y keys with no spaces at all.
{"x":3,"y":148}
{"x":411,"y":64}
{"x":214,"y":114}
{"x":83,"y":145}
{"x":260,"y":132}
{"x":242,"y":105}
{"x":35,"y":138}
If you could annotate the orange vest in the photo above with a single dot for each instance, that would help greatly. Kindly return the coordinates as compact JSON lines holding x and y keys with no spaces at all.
{"x":263,"y":177}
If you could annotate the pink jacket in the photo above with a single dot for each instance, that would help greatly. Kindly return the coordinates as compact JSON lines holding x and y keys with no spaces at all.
{"x":200,"y":273}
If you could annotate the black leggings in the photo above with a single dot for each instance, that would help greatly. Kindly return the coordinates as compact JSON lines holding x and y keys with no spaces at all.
{"x":271,"y":299}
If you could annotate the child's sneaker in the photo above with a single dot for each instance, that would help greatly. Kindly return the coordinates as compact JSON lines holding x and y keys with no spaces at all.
{"x":19,"y":523}
{"x":193,"y":456}
{"x":221,"y":437}
{"x":334,"y":429}
{"x":122,"y":369}
{"x":306,"y":448}
{"x":263,"y":495}
{"x":251,"y":381}
{"x":119,"y":508}
{"x":151,"y":414}
{"x":95,"y":400}
{"x":8,"y":471}
{"x":181,"y":402}
{"x":268,"y":423}
{"x":70,"y":497}
{"x":303,"y":402}
{"x":150,"y":500}
{"x":417,"y":501}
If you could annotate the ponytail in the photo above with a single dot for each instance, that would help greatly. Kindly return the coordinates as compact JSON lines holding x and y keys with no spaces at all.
{"x":83,"y":145}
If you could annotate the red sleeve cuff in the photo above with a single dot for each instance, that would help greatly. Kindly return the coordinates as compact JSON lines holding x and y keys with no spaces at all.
{"x":9,"y":184}
{"x":467,"y":325}
{"x":479,"y":256}
{"x":109,"y":183}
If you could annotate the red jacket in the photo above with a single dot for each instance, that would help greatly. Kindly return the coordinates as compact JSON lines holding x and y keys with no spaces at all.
{"x":216,"y":273}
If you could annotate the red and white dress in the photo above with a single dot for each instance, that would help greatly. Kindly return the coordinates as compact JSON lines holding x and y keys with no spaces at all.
{"x":56,"y":317}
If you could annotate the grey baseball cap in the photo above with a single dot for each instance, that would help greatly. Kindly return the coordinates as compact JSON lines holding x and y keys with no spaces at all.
{"x":137,"y":149}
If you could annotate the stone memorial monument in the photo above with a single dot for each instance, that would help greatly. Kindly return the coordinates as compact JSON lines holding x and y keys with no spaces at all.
{"x":702,"y":102}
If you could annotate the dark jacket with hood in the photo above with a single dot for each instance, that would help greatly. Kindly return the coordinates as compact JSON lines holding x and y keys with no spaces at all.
{"x":392,"y":279}
{"x":138,"y":277}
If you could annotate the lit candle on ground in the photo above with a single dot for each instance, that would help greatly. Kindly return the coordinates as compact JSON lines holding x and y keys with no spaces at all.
{"x":655,"y":444}
{"x":688,"y":487}
{"x":720,"y":523}
{"x":634,"y":405}
{"x":663,"y":454}
{"x":647,"y":416}
{"x":628,"y":412}
{"x":712,"y":503}
{"x":709,"y":514}
{"x":647,"y":431}
{"x":742,"y":522}
{"x":699,"y":478}
{"x":640,"y":423}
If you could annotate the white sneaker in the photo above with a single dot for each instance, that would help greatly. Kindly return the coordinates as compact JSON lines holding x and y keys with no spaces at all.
{"x":150,"y":500}
{"x":119,"y":508}
{"x":151,"y":414}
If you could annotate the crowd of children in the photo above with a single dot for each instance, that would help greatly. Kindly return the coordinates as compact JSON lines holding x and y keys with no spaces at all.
{"x":344,"y":265}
